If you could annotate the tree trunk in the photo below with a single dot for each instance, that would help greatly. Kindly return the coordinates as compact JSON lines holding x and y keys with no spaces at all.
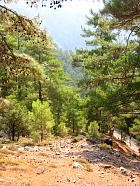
{"x":40,"y":92}
{"x":73,"y":123}
{"x":18,"y":137}
{"x":121,"y":134}
{"x":13,"y":132}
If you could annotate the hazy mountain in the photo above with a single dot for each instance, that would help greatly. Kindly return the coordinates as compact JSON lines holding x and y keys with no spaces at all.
{"x":63,"y":24}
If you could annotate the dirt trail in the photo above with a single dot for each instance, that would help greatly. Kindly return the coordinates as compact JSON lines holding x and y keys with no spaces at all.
{"x":66,"y":163}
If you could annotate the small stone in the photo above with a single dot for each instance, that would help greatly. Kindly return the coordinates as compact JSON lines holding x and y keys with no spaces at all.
{"x":4,"y":148}
{"x":57,"y":153}
{"x":122,"y":169}
{"x":32,"y":158}
{"x":68,"y":179}
{"x":36,"y":148}
{"x":110,"y":184}
{"x":26,"y":148}
{"x":21,"y":149}
{"x":102,"y":172}
{"x":101,"y":176}
{"x":74,"y":181}
{"x":133,"y":180}
{"x":132,"y":176}
{"x":1,"y":180}
{"x":40,"y":169}
{"x":76,"y":165}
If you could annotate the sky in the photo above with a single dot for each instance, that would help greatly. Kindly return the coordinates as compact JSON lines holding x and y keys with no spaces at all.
{"x":63,"y":24}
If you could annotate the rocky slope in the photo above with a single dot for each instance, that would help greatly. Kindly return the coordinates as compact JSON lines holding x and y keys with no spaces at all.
{"x":63,"y":162}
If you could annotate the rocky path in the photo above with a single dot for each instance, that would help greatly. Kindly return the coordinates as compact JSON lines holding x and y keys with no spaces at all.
{"x":63,"y":162}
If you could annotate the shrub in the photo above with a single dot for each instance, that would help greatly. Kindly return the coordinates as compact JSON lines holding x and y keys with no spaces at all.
{"x":104,"y":146}
{"x":41,"y":120}
{"x":85,"y":164}
{"x":62,"y":129}
{"x":93,"y":130}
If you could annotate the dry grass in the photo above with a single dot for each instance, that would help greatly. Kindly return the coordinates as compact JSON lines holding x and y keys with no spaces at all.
{"x":12,"y":147}
{"x":43,"y":154}
{"x":45,"y":142}
{"x":53,"y":166}
{"x":2,"y":155}
{"x":25,"y":183}
{"x":6,"y":152}
{"x":15,"y":163}
{"x":1,"y":173}
{"x":85,"y":164}
{"x":9,"y":162}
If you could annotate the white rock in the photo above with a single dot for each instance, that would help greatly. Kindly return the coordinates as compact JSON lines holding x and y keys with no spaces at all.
{"x":40,"y":169}
{"x":26,"y":148}
{"x":4,"y":147}
{"x":1,"y":180}
{"x":76,"y":165}
{"x":21,"y":149}
{"x":57,"y":153}
{"x":122,"y":169}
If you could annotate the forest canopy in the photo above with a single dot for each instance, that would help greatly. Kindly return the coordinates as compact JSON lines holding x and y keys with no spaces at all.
{"x":37,"y":97}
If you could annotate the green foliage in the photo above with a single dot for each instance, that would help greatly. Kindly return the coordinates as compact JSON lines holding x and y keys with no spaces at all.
{"x":104,"y":146}
{"x":62,"y":130}
{"x":135,"y":129}
{"x":15,"y":119}
{"x":110,"y":86}
{"x":41,"y":120}
{"x":93,"y":130}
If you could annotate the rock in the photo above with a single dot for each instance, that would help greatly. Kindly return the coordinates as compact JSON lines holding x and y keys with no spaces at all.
{"x":83,"y":145}
{"x":21,"y":149}
{"x":66,"y":152}
{"x":79,"y":156}
{"x":4,"y":148}
{"x":123,"y":171}
{"x":132,"y":176}
{"x":76,"y":165}
{"x":1,"y":180}
{"x":117,"y":154}
{"x":68,"y":179}
{"x":102,"y":172}
{"x":133,"y":180}
{"x":26,"y":148}
{"x":110,"y":184}
{"x":57,"y":153}
{"x":32,"y":158}
{"x":40,"y":169}
{"x":101,"y":176}
{"x":107,"y":166}
{"x":36,"y":149}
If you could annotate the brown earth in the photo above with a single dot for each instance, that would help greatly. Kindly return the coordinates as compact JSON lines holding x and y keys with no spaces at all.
{"x":52,"y":165}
